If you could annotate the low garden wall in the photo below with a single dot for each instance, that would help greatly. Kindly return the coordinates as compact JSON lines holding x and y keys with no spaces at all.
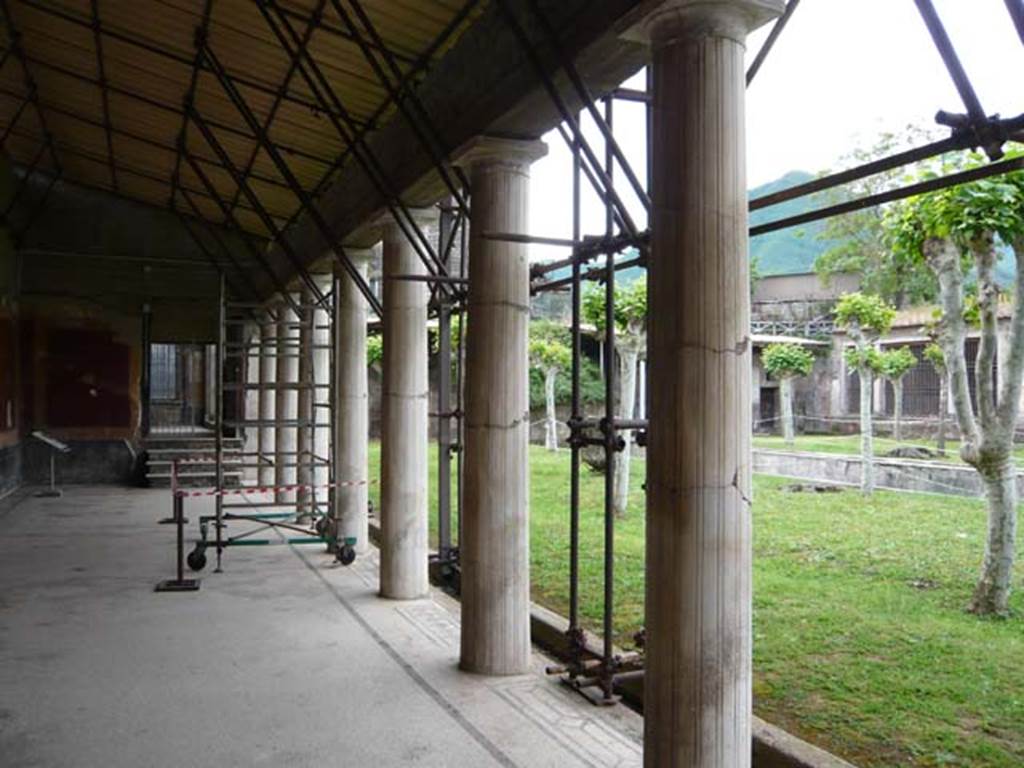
{"x":895,"y":474}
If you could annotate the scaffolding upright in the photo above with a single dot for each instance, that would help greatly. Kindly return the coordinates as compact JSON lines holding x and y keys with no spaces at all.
{"x":297,"y":504}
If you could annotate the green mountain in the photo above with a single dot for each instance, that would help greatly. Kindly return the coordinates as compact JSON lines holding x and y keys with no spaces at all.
{"x":793,"y":250}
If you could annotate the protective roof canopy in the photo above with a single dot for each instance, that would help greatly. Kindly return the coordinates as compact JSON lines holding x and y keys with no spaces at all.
{"x":99,"y":92}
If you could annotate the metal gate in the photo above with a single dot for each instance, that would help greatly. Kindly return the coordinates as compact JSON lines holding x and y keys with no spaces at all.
{"x":178,"y":391}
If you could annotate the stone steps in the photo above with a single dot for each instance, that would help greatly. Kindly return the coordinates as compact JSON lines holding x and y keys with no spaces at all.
{"x":163,"y":450}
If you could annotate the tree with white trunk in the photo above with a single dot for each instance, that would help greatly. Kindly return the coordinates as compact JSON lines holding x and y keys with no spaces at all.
{"x":630,"y":314}
{"x":551,"y":355}
{"x":955,"y":232}
{"x":786,"y":362}
{"x":865,"y":318}
{"x":893,"y":365}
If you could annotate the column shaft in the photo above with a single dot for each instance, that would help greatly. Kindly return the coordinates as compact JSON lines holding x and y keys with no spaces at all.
{"x":286,"y":405}
{"x":351,"y":411}
{"x":403,"y":521}
{"x":321,"y":397}
{"x":495,"y":545}
{"x":267,"y":398}
{"x":697,"y":709}
{"x":250,"y":396}
{"x":304,"y":471}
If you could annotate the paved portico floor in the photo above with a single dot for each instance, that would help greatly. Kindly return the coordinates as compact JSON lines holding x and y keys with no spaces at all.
{"x":285,"y":659}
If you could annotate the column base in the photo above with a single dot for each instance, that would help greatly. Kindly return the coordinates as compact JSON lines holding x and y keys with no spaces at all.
{"x":487,"y":670}
{"x":402,"y":597}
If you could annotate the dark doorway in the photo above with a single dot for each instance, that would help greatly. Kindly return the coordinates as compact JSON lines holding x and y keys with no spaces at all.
{"x":768,"y":417}
{"x":177,"y":395}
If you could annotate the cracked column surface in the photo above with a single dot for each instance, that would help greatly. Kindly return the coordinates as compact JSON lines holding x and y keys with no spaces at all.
{"x":351,"y":410}
{"x":404,"y":400}
{"x":697,"y":705}
{"x":495,"y":546}
{"x":268,"y":375}
{"x":286,"y":399}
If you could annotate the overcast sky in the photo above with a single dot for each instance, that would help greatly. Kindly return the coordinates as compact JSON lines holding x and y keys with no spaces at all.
{"x":842,"y":72}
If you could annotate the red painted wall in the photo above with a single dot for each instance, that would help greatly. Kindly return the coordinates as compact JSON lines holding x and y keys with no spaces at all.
{"x":88,"y":379}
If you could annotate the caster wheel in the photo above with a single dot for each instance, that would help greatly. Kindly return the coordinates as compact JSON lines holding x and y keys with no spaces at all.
{"x":321,"y":526}
{"x":346,"y":554}
{"x":196,"y":559}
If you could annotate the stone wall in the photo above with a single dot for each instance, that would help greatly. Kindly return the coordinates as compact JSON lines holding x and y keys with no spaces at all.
{"x":894,"y":474}
{"x":10,"y":363}
{"x":73,"y":293}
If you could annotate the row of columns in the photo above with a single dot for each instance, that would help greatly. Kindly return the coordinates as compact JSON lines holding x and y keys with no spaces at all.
{"x":698,"y":602}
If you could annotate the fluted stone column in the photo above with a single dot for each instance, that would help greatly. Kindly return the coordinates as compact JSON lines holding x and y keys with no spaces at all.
{"x":267,"y":377}
{"x":403,"y":493}
{"x":286,"y":403}
{"x":697,"y":706}
{"x":495,"y":545}
{"x":321,"y":394}
{"x":352,"y":404}
{"x":304,"y":432}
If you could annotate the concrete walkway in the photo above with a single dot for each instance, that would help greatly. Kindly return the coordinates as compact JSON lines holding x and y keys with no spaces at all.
{"x":285,"y":659}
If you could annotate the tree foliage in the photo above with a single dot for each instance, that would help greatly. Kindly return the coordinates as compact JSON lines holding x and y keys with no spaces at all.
{"x":549,"y":346}
{"x":862,"y":357}
{"x":455,"y":334}
{"x":630,"y":307}
{"x":933,"y":354}
{"x":374,"y":349}
{"x":552,"y":342}
{"x":894,"y":364}
{"x":864,"y":313}
{"x":786,"y":360}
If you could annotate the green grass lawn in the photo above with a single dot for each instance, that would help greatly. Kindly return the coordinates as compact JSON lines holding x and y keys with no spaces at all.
{"x":861,"y":644}
{"x":850,"y":444}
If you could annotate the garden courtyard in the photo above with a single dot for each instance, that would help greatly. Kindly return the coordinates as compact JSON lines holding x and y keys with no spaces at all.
{"x":861,"y":643}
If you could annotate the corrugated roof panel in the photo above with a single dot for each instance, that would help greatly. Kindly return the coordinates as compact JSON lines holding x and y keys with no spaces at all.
{"x":35,"y":20}
{"x":89,"y":170}
{"x":83,"y":106}
{"x":148,"y":54}
{"x":28,"y":121}
{"x":250,"y":222}
{"x":236,"y":148}
{"x":139,"y":118}
{"x":23,"y":147}
{"x":314,"y":133}
{"x":62,"y":88}
{"x":133,"y":63}
{"x":77,"y":133}
{"x":158,"y":160}
{"x":145,"y":189}
{"x":163,"y":25}
{"x":80,"y":59}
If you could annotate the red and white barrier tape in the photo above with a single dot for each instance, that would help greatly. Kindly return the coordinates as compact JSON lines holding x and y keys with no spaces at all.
{"x":266,"y":489}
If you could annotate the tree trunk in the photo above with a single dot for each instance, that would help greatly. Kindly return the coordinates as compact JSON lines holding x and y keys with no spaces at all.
{"x":867,"y":464}
{"x":992,"y":593}
{"x":786,"y":395}
{"x":897,"y":409}
{"x":551,"y":424}
{"x":940,"y":441}
{"x":627,"y":397}
{"x":986,"y":441}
